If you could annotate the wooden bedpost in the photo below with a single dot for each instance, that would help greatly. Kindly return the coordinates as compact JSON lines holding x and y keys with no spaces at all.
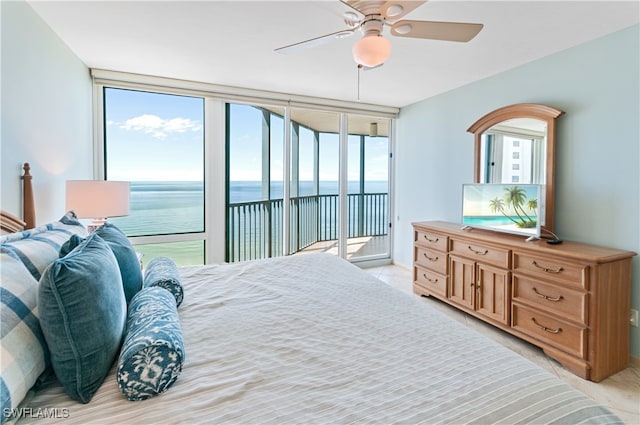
{"x":28,"y":206}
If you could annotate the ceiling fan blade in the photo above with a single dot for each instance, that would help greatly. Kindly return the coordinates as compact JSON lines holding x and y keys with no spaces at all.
{"x":291,"y":48}
{"x":393,"y":10}
{"x":448,"y":31}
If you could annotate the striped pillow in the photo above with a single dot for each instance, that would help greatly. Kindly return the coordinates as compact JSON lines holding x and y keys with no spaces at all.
{"x":24,"y":353}
{"x":39,"y":247}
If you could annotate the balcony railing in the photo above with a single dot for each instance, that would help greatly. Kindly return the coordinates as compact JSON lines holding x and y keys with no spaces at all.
{"x":255,"y":229}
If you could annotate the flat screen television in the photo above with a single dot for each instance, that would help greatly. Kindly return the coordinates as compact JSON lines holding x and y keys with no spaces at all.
{"x":511,"y":208}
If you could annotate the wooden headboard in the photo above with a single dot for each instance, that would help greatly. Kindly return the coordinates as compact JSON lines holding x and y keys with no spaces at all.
{"x":11,"y":223}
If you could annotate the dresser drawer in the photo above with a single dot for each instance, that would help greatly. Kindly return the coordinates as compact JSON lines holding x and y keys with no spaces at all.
{"x":551,"y":269}
{"x":559,"y":300}
{"x":430,"y":259}
{"x":555,"y":332}
{"x":430,"y":281}
{"x":498,"y":257}
{"x":431,"y":240}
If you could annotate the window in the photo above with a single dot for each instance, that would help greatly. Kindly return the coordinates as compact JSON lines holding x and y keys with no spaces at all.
{"x":255,"y":182}
{"x":368,"y":187}
{"x":516,"y":155}
{"x":264,"y":182}
{"x":156,"y":142}
{"x":260,"y":218}
{"x":307,"y":147}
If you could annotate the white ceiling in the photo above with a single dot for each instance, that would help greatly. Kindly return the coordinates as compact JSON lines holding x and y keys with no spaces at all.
{"x":232,"y":42}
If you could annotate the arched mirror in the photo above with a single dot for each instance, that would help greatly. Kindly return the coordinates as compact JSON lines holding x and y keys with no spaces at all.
{"x":517,"y":144}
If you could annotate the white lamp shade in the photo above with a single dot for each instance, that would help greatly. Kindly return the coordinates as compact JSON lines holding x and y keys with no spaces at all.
{"x":371,"y":50}
{"x":98,"y":198}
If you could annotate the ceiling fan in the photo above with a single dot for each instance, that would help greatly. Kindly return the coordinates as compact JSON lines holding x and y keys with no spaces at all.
{"x":370,"y":18}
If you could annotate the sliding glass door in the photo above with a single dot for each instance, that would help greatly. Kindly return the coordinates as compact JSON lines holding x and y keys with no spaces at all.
{"x":314,"y":159}
{"x":255,"y":182}
{"x":266,"y":218}
{"x":368,"y":188}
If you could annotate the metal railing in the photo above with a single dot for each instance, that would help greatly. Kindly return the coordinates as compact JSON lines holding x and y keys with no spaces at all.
{"x":255,"y":229}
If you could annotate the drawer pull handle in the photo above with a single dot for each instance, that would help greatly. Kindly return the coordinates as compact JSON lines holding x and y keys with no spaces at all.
{"x":545,"y":269}
{"x":485,"y":252}
{"x":544,"y":328}
{"x":429,"y":258}
{"x":429,"y":279}
{"x":430,"y":240}
{"x":547,"y":297}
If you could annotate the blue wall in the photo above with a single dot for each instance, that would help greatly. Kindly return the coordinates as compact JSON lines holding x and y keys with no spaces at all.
{"x":46,"y":112}
{"x":597,"y":200}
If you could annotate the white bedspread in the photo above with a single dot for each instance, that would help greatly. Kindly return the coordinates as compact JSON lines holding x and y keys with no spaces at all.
{"x":311,"y":339}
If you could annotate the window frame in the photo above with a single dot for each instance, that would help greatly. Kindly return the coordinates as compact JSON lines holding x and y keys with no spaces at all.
{"x":215,"y":98}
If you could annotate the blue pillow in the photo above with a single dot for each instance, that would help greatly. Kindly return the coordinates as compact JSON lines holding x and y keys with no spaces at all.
{"x":83,"y":315}
{"x":153,"y":351}
{"x":163,"y":272}
{"x":69,"y":245}
{"x":126,"y":256}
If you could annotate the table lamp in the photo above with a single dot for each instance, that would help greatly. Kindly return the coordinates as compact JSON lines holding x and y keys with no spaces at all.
{"x":97,"y":199}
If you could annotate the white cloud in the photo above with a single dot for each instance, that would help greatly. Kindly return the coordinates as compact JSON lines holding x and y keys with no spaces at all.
{"x":160,"y":128}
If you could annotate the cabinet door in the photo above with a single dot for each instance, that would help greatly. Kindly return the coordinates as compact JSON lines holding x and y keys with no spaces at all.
{"x":462,"y":280}
{"x":492,"y":293}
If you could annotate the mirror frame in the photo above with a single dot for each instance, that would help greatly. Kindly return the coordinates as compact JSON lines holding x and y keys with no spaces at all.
{"x":523,"y":110}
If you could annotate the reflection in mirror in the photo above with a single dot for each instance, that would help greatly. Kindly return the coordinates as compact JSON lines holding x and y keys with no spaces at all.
{"x":516,"y":144}
{"x":514,"y":151}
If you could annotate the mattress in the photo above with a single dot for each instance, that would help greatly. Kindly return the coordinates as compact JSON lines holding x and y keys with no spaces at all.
{"x":312,"y":339}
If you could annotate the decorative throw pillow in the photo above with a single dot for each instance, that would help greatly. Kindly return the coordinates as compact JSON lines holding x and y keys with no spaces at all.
{"x":39,"y":247}
{"x":83,"y":315}
{"x":153,"y":351}
{"x":24,"y":354}
{"x":125,"y":255}
{"x":69,"y":245}
{"x":163,"y":272}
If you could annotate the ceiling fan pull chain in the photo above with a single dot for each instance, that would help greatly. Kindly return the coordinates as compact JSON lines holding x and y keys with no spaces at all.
{"x":359,"y":69}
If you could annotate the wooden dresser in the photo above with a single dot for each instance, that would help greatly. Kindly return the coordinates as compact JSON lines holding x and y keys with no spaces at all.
{"x":571,"y":299}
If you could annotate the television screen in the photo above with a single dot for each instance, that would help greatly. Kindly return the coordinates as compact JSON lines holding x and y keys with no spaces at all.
{"x":512,"y":208}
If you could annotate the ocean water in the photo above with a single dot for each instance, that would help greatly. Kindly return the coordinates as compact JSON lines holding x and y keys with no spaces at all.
{"x":488,"y":220}
{"x":178,"y":207}
{"x":163,"y":208}
{"x":249,"y":191}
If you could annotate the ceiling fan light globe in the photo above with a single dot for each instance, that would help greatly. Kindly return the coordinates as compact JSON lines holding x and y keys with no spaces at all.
{"x":371,"y":50}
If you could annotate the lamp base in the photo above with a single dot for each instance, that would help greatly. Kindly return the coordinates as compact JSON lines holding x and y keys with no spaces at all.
{"x":96,"y":224}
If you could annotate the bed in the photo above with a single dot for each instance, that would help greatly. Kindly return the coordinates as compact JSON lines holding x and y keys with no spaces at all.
{"x":10,"y":223}
{"x":311,"y":338}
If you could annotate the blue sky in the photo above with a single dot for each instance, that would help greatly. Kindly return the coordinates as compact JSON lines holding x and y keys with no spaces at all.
{"x":153,"y":136}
